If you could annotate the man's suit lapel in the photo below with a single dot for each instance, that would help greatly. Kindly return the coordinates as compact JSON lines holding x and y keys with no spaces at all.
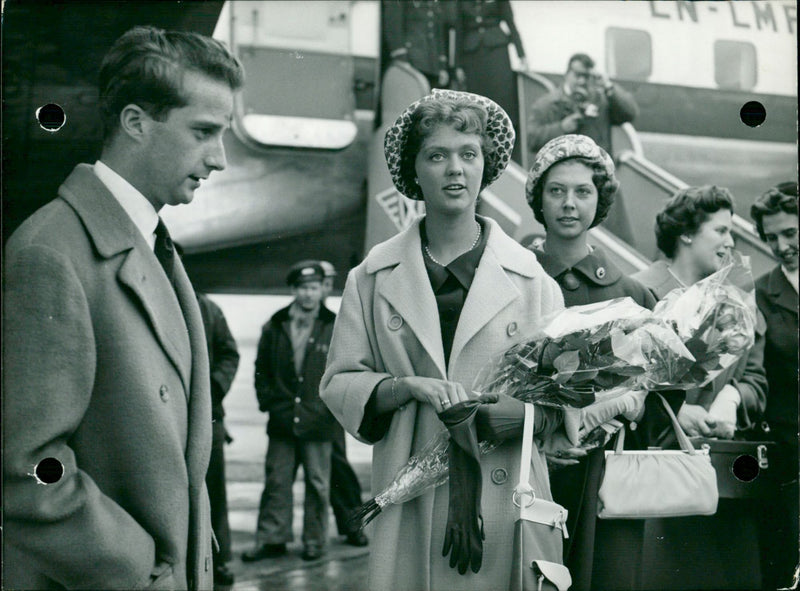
{"x":114,"y":234}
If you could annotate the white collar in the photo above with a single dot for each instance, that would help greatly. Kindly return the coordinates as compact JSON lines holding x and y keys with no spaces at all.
{"x":136,"y":205}
{"x":791,"y":276}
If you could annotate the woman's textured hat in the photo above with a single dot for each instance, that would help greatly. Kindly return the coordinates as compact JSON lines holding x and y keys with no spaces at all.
{"x":499,"y":129}
{"x":561,"y":148}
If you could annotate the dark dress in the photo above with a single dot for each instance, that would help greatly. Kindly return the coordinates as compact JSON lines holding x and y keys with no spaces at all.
{"x":778,"y":302}
{"x":600,"y":553}
{"x":720,"y":551}
{"x":483,"y":51}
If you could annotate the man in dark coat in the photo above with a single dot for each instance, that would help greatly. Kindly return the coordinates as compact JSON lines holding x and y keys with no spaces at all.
{"x":106,"y":405}
{"x":775,"y":214}
{"x":587,"y":103}
{"x":290,"y":361}
{"x":223,"y":361}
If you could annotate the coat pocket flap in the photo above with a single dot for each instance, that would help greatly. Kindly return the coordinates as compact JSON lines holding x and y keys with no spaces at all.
{"x":558,"y":574}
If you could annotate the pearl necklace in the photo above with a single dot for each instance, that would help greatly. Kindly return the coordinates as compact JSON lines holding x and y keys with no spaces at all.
{"x":474,"y":244}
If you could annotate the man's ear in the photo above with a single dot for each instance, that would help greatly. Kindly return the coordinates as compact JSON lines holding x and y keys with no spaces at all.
{"x":134,"y":122}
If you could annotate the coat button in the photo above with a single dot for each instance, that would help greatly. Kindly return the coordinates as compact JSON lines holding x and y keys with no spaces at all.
{"x":297,"y":400}
{"x":300,"y":379}
{"x":511,"y":329}
{"x":395,"y":322}
{"x":163,"y":391}
{"x":601,"y":272}
{"x":297,"y":419}
{"x":570,"y":281}
{"x":499,"y":476}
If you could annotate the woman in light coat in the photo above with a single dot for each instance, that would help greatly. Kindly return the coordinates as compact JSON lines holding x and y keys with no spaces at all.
{"x":419,"y":318}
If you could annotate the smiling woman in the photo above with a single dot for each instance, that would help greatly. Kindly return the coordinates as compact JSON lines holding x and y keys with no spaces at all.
{"x":718,"y":552}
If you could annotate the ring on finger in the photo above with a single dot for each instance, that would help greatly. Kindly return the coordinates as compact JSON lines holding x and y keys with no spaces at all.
{"x":445,"y":403}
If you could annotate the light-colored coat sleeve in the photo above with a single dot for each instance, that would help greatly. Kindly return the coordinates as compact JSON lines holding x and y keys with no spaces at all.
{"x":354,"y":363}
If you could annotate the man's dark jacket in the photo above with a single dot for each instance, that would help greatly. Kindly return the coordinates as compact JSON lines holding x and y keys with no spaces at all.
{"x":292,"y":401}
{"x":223,"y":357}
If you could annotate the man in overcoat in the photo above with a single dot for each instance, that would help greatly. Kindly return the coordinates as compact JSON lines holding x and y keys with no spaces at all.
{"x":290,"y":361}
{"x":106,"y":405}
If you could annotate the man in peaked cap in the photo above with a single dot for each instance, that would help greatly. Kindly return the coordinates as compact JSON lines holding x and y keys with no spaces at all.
{"x":290,"y":361}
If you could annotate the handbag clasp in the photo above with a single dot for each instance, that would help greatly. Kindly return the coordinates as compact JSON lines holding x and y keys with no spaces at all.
{"x":520,"y":491}
{"x":763,"y":460}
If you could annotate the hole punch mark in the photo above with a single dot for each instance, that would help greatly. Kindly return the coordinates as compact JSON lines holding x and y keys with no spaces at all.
{"x":48,"y":471}
{"x":753,"y":114}
{"x":745,"y":468}
{"x":51,"y":117}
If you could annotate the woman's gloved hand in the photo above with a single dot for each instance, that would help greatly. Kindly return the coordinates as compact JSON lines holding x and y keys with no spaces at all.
{"x":723,"y":410}
{"x":503,"y":419}
{"x":463,"y":538}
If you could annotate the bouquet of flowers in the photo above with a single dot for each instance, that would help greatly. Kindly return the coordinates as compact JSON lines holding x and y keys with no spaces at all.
{"x":715,"y":318}
{"x":584,"y":356}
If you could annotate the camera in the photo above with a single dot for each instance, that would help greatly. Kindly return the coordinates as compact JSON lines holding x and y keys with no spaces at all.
{"x":590,"y":110}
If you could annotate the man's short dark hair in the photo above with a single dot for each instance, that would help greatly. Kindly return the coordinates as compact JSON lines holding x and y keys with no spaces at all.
{"x":584,"y":59}
{"x":781,"y":198}
{"x":686,"y":211}
{"x":145,"y":67}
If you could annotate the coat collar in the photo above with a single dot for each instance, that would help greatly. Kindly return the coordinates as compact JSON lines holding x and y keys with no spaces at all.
{"x":407,"y":287}
{"x":113,"y":233}
{"x":595,"y":267}
{"x":780,"y":291}
{"x":657,"y":279}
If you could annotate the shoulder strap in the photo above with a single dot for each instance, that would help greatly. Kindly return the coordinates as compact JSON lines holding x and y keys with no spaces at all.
{"x":524,"y":486}
{"x":683,"y":440}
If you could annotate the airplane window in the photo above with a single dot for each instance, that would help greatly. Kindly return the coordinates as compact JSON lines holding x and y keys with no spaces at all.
{"x":629,"y":54}
{"x":735,"y":65}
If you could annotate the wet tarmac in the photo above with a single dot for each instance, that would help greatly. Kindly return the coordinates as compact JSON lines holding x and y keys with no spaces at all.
{"x":343,"y":567}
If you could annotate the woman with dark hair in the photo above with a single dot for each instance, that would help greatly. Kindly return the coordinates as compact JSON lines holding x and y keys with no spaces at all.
{"x":418,"y":319}
{"x":719,"y":552}
{"x":570,"y":189}
{"x":775,"y":214}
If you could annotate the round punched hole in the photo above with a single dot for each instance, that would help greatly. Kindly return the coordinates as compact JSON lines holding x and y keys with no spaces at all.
{"x":49,"y":471}
{"x":745,"y":468}
{"x":51,"y":117}
{"x":753,"y":113}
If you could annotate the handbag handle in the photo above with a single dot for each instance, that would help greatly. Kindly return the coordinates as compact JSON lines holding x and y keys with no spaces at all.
{"x":683,"y":440}
{"x":524,"y":487}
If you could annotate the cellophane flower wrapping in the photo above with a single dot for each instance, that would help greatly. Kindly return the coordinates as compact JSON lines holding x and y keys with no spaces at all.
{"x":715,"y":317}
{"x":587,"y":354}
{"x":582,"y":357}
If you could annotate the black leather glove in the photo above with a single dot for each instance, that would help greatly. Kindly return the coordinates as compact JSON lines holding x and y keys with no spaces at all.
{"x":464,"y":534}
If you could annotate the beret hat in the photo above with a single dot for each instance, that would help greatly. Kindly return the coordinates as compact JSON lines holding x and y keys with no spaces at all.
{"x":499,"y":129}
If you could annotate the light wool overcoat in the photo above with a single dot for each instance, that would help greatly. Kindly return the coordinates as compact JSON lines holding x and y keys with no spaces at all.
{"x":106,"y":371}
{"x":388,"y":325}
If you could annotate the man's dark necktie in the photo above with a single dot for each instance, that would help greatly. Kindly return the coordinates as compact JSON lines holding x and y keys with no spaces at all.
{"x":164,"y":250}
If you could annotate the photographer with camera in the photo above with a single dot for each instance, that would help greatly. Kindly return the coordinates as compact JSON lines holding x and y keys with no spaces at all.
{"x":588,"y":103}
